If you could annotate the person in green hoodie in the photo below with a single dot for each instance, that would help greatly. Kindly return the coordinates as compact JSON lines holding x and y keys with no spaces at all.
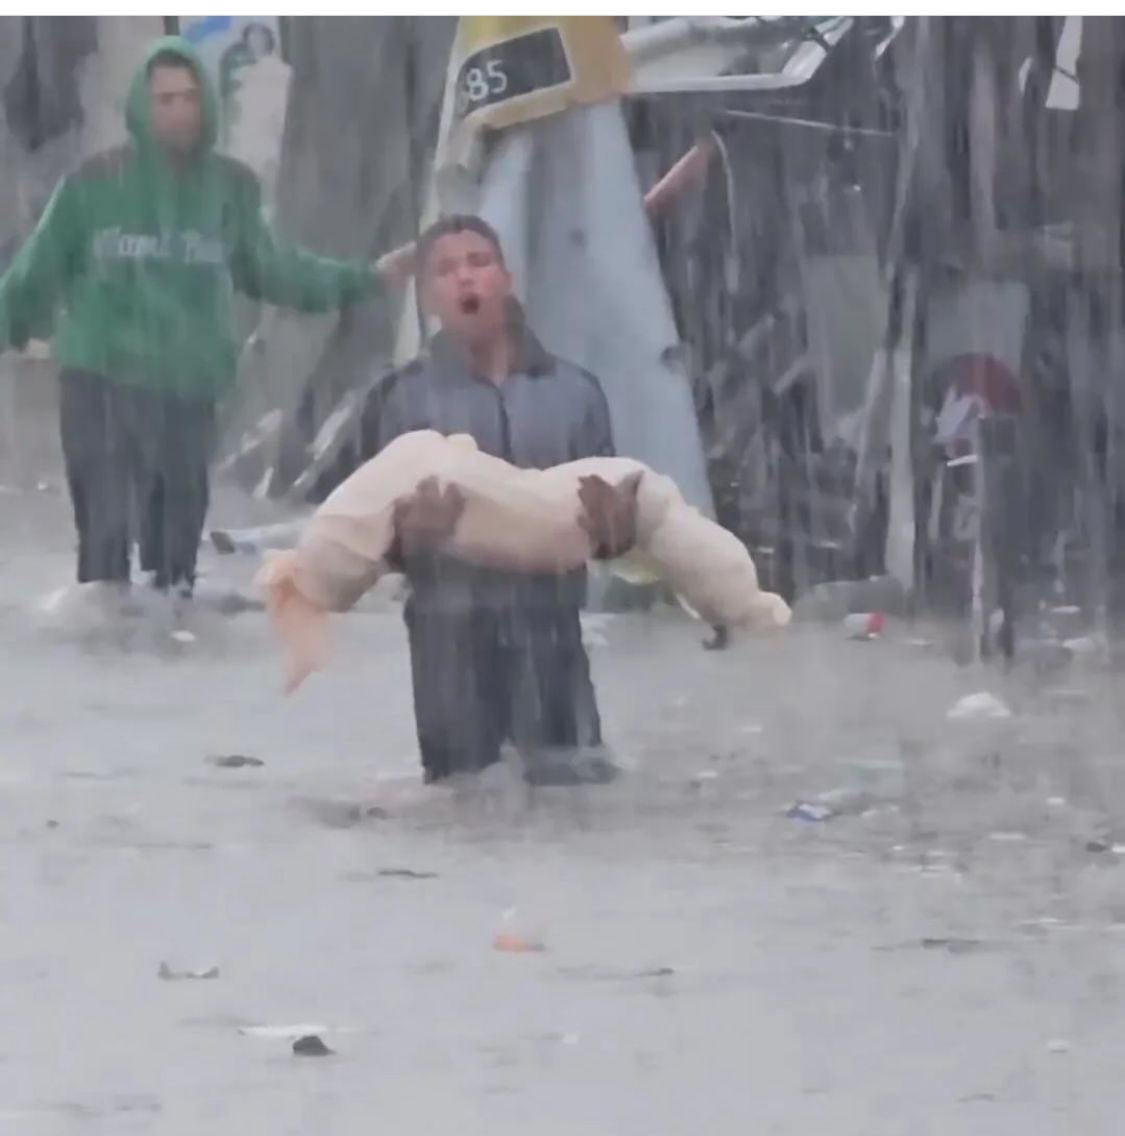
{"x":141,"y":248}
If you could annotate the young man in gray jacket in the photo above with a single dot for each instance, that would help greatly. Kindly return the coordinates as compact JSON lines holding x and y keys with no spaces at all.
{"x":495,"y":656}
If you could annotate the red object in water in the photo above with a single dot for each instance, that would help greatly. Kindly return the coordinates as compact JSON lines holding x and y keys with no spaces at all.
{"x":864,"y":624}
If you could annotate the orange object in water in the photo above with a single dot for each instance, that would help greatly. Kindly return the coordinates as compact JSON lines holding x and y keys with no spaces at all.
{"x":516,"y":944}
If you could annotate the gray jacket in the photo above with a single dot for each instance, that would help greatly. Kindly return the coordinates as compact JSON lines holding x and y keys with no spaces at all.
{"x":546,"y":413}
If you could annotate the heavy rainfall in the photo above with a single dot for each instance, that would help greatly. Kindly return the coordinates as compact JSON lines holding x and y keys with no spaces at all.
{"x":615,"y":848}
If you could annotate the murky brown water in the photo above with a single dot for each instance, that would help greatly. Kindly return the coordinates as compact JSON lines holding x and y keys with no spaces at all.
{"x":951,"y":962}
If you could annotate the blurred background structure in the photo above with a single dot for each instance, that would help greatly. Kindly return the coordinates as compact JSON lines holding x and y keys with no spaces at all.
{"x":872,"y":319}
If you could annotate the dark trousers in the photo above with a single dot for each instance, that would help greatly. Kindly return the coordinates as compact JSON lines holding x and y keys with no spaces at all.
{"x":489,"y":675}
{"x":136,"y":462}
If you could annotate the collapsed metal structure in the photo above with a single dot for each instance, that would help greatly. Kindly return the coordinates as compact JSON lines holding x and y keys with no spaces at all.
{"x":930,"y":221}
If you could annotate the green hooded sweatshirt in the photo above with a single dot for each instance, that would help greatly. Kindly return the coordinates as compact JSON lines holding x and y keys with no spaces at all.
{"x":144,"y":256}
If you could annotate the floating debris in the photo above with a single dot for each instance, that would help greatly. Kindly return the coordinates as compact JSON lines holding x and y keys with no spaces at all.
{"x":864,"y":625}
{"x":515,"y":938}
{"x":236,"y":761}
{"x":834,"y":803}
{"x":979,"y":707}
{"x":517,"y":944}
{"x":809,"y":811}
{"x":595,"y":973}
{"x":406,"y":874}
{"x":954,"y":946}
{"x":170,"y":975}
{"x":310,"y":1045}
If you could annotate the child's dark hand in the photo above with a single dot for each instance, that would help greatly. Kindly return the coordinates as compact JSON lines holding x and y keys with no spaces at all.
{"x":426,"y":520}
{"x":609,"y":514}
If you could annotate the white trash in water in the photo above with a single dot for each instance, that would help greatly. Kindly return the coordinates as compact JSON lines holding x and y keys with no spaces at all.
{"x":979,"y":707}
{"x":1086,"y":645}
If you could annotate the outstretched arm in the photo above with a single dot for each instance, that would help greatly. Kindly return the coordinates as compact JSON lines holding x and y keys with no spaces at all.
{"x":30,"y":288}
{"x":264,"y":267}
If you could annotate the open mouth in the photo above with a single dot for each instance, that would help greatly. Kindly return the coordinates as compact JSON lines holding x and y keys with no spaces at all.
{"x":470,"y":305}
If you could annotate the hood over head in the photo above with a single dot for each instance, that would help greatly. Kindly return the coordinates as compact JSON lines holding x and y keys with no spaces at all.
{"x":137,"y":101}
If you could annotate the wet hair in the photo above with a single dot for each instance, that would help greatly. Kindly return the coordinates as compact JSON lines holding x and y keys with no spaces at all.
{"x":444,"y":227}
{"x":169,"y":58}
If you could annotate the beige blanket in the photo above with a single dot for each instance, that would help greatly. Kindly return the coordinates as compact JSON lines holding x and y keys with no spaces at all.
{"x":522,"y":520}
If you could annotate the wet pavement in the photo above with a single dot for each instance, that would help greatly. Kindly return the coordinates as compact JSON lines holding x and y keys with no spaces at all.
{"x":944,"y":955}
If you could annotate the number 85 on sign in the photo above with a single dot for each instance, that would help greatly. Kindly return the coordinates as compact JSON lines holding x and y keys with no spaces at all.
{"x":519,"y":66}
{"x":481,"y":85}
